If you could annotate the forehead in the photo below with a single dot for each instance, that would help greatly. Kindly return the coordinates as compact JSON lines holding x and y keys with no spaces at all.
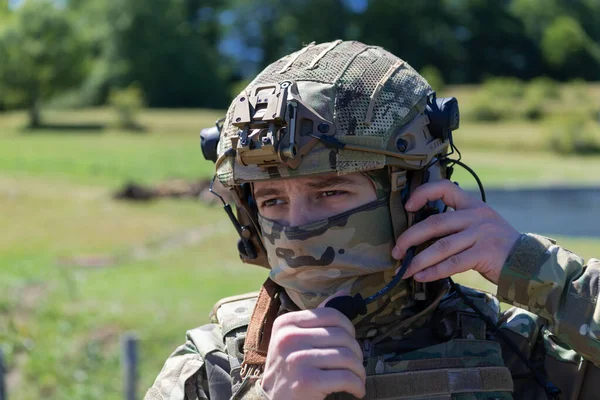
{"x":356,"y":180}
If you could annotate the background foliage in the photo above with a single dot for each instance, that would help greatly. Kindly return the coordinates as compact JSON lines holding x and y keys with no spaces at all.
{"x":191,"y":53}
{"x":123,"y":82}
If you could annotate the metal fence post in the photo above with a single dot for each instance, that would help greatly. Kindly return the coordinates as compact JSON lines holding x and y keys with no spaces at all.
{"x":2,"y":378}
{"x":130,"y":367}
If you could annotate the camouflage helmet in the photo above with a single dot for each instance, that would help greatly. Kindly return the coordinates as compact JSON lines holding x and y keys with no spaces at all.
{"x":338,"y":107}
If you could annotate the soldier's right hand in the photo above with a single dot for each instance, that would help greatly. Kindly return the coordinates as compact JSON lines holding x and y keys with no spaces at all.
{"x":313,"y":353}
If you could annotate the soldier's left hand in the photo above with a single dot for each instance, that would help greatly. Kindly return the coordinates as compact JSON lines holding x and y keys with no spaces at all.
{"x":474,"y":236}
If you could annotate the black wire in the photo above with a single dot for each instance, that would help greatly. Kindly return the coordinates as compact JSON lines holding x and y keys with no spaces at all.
{"x":454,"y":148}
{"x":210,"y":189}
{"x":410,"y":253}
{"x":470,"y":170}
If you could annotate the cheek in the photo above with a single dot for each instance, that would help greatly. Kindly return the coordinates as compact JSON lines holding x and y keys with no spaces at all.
{"x":346,"y":203}
{"x":274,"y":213}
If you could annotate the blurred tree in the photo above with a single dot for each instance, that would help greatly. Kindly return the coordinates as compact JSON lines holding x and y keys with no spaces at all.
{"x":269,"y":29}
{"x":109,"y":68}
{"x":193,"y":52}
{"x":4,"y":15}
{"x":169,"y":48}
{"x":421,"y":32}
{"x":536,"y":15}
{"x":569,"y":49}
{"x":562,"y":39}
{"x":165,"y":47}
{"x":493,"y":42}
{"x":42,"y":54}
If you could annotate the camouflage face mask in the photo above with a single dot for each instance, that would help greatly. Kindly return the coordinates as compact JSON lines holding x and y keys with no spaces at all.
{"x":319,"y":259}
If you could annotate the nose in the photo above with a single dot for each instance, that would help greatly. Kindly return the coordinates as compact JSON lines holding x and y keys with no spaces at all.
{"x":299,"y":212}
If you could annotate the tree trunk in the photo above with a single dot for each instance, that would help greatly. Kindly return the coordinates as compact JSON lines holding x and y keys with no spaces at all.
{"x":34,"y":115}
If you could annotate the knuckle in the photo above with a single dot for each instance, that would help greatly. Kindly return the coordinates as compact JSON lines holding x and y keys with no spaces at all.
{"x":443,"y":245}
{"x":488,"y":227}
{"x":455,"y":260}
{"x":486,"y":212}
{"x":435,"y":221}
{"x":446,"y":184}
{"x":416,"y":263}
{"x":347,"y":355}
{"x":282,"y":321}
{"x":297,"y":358}
{"x":288,"y":338}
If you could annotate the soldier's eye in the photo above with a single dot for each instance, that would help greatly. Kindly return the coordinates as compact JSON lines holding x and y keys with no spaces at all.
{"x":271,"y":202}
{"x":330,"y":193}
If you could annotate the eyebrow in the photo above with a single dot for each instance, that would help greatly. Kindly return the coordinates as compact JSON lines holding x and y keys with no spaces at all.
{"x":267,"y":192}
{"x":319,"y":184}
{"x":332,"y":181}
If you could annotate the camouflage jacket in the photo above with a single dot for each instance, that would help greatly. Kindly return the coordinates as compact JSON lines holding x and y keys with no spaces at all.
{"x":556,"y":326}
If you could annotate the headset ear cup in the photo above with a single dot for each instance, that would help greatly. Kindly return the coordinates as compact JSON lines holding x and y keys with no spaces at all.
{"x":444,"y":116}
{"x":250,"y":248}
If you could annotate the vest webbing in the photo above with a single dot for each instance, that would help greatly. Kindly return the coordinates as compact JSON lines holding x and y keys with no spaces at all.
{"x":438,"y":384}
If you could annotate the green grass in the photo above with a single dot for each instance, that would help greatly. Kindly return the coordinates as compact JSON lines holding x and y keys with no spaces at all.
{"x":66,"y":319}
{"x":170,"y":148}
{"x":160,"y":265}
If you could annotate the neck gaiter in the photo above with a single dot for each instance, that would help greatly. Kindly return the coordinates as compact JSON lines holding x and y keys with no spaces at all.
{"x":348,"y":252}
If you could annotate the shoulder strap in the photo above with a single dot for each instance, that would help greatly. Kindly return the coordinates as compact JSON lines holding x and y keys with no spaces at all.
{"x":259,"y":330}
{"x":233,"y":316}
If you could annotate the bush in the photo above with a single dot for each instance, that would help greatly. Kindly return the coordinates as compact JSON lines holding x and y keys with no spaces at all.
{"x":434,"y":77}
{"x":504,"y":87}
{"x":543,"y":86}
{"x":127,"y":103}
{"x":488,"y":108}
{"x":574,"y":135}
{"x":532,"y":107}
{"x":496,"y":99}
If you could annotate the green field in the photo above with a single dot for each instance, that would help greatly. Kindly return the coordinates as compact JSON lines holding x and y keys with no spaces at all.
{"x":78,"y":268}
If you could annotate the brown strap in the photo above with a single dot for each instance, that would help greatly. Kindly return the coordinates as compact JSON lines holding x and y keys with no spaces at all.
{"x":259,"y":329}
{"x":434,"y":384}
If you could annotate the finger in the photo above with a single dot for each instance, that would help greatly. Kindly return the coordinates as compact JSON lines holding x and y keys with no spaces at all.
{"x":455,"y":264}
{"x":441,"y":250}
{"x":330,"y":359}
{"x":434,"y":226}
{"x":448,"y":192}
{"x":340,"y":380}
{"x":320,"y":317}
{"x":328,"y":338}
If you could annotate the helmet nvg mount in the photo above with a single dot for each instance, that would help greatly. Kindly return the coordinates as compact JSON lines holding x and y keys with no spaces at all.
{"x":337,"y":107}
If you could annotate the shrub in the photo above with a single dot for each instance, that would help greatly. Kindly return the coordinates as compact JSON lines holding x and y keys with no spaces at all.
{"x":545,"y":87}
{"x":504,"y":87}
{"x":488,"y":108}
{"x":575,"y":134}
{"x":127,"y":103}
{"x":497,"y":98}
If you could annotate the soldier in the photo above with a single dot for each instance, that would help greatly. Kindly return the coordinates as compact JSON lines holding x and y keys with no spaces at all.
{"x":338,"y":157}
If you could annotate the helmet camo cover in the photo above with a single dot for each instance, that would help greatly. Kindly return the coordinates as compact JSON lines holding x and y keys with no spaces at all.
{"x":366,"y":92}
